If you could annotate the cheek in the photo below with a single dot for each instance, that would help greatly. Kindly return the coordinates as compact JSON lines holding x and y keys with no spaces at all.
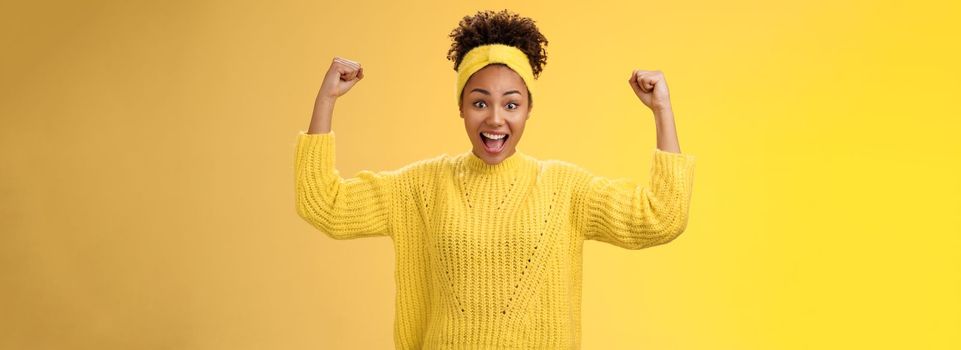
{"x":471,"y":123}
{"x":518,"y":127}
{"x":471,"y":128}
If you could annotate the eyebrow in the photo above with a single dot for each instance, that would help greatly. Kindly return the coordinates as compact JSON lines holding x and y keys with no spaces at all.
{"x":485,"y":92}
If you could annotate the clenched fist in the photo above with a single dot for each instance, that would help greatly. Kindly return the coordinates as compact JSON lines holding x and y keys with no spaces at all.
{"x":651,"y":88}
{"x":340,"y":77}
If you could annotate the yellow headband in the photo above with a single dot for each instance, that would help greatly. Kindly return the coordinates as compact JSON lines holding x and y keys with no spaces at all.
{"x":481,"y":56}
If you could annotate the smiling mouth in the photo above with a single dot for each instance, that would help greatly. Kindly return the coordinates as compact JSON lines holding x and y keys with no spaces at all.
{"x":492,"y":145}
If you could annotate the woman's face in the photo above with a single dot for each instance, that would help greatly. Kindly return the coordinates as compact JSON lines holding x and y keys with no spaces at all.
{"x":494,"y":101}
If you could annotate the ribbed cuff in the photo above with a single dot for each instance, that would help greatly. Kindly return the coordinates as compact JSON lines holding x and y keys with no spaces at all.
{"x":673,"y":167}
{"x":316,"y":149}
{"x":673,"y":164}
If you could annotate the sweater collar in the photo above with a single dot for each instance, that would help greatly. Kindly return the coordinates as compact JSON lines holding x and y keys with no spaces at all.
{"x":511,"y":164}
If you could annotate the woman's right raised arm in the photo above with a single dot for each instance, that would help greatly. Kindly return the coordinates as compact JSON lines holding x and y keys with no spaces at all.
{"x":342,"y":208}
{"x":340,"y":77}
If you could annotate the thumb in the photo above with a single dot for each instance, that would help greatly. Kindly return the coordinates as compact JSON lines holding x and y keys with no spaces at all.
{"x":350,"y":83}
{"x":633,"y":82}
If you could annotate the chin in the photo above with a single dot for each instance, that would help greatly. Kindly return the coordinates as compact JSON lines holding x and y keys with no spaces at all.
{"x":495,"y":158}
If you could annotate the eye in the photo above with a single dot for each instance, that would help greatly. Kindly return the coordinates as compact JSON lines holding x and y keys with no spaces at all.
{"x":475,"y":104}
{"x":512,"y":103}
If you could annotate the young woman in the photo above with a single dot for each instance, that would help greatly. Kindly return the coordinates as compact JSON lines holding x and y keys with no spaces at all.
{"x":488,"y":242}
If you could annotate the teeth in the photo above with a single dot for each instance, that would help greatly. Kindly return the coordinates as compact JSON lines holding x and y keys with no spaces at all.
{"x":494,"y":136}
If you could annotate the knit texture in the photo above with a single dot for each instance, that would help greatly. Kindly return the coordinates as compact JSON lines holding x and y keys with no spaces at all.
{"x":489,"y":256}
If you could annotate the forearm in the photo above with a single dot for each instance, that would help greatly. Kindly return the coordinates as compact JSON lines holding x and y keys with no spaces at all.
{"x":666,"y":131}
{"x":320,"y":122}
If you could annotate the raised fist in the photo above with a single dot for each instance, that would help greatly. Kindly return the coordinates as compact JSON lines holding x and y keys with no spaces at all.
{"x":340,"y":77}
{"x":651,"y":87}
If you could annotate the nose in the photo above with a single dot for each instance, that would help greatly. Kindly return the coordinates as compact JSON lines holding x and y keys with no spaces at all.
{"x":495,"y":119}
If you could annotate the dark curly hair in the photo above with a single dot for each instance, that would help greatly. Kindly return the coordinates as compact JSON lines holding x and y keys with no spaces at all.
{"x":503,"y":27}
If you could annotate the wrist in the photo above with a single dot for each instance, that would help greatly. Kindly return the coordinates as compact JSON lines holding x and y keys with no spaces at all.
{"x":325,"y":100}
{"x":663,"y":112}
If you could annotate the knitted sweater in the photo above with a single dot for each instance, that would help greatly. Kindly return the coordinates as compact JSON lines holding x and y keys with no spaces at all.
{"x":489,"y":256}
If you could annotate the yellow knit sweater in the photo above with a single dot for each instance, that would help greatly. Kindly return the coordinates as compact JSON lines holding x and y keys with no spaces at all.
{"x":489,"y":256}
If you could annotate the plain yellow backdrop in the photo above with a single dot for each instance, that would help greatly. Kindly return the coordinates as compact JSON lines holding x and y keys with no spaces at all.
{"x":146,"y":168}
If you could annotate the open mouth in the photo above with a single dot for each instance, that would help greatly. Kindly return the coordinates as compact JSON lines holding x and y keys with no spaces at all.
{"x":494,"y":142}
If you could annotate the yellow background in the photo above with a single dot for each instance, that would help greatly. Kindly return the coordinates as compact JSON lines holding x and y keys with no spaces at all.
{"x":146,"y":168}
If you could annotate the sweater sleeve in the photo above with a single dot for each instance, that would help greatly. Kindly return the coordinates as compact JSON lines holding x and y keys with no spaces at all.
{"x":343,"y":208}
{"x":635,"y":216}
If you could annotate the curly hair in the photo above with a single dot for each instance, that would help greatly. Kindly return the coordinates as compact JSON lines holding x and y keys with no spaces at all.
{"x":503,"y":27}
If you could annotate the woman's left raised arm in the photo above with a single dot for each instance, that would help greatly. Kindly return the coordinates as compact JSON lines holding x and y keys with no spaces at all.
{"x":651,"y":88}
{"x":636,"y":215}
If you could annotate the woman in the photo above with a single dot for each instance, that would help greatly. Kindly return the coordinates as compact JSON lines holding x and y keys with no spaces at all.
{"x":488,"y":242}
